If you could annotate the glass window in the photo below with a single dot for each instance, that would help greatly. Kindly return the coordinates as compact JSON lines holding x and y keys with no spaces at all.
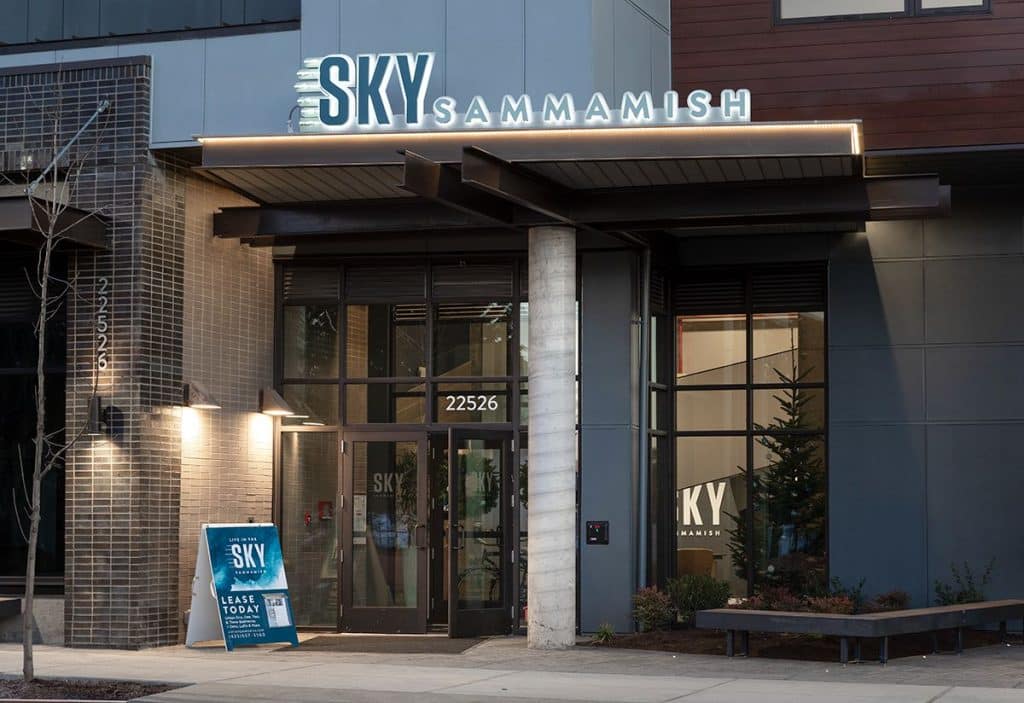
{"x":472,"y":402}
{"x":711,"y":505}
{"x":789,"y":347}
{"x":314,"y":404}
{"x":310,"y":340}
{"x":952,"y":4}
{"x":385,"y":341}
{"x":768,"y":523}
{"x":782,"y":409}
{"x":369,"y":403}
{"x":790,"y":511}
{"x":17,"y":429}
{"x":712,"y":350}
{"x":384,"y":513}
{"x":309,"y":486}
{"x":472,"y":339}
{"x":711,"y":410}
{"x":799,"y":9}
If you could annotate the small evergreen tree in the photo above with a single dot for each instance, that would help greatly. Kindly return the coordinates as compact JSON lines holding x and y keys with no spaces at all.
{"x":789,"y":499}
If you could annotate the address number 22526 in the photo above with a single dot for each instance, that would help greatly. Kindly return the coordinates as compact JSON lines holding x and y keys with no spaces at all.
{"x":470,"y":403}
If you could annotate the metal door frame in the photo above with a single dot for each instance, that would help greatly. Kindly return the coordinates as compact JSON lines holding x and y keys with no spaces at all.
{"x":378,"y":619}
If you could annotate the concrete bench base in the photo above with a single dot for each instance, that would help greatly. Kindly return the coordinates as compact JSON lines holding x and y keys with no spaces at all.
{"x":880,"y":626}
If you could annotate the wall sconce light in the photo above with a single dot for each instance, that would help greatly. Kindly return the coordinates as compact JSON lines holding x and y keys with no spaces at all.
{"x":97,"y":422}
{"x":196,"y":396}
{"x":271,"y":403}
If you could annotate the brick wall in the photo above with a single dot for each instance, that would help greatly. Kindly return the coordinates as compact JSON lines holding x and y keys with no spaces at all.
{"x":226,"y":454}
{"x":182,"y":306}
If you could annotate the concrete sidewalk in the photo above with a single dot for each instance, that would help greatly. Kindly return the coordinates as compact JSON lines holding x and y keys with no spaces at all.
{"x":504,"y":670}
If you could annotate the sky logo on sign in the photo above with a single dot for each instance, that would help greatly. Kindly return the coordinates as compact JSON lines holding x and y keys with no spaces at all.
{"x":355,"y":91}
{"x":342,"y":93}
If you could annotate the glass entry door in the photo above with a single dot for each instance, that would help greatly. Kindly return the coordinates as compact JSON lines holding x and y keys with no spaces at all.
{"x":384,"y":532}
{"x":480,"y":515}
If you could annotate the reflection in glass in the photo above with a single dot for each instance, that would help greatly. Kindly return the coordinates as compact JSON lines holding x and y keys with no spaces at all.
{"x":315,"y":404}
{"x":480,"y":467}
{"x":472,"y":339}
{"x":385,"y":341}
{"x":310,"y":341}
{"x":309,"y":484}
{"x":368,"y":403}
{"x":711,"y":500}
{"x":790,"y":409}
{"x":712,"y":349}
{"x":711,"y":410}
{"x":789,"y":347}
{"x":384,"y":553}
{"x":790,"y":508}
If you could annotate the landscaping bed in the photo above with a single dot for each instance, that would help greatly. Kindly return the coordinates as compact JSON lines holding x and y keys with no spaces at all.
{"x":80,"y":689}
{"x":792,"y":646}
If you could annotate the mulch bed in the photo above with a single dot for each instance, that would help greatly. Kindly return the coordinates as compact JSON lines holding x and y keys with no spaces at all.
{"x":80,"y":689}
{"x":795,"y":646}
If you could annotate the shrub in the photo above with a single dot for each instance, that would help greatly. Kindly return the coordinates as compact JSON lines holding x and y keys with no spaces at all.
{"x":964,"y":589}
{"x":854,"y":593}
{"x":775,"y":598}
{"x":838,"y":605}
{"x":892,"y":600}
{"x":652,"y":609}
{"x":694,"y":592}
{"x":605,"y":633}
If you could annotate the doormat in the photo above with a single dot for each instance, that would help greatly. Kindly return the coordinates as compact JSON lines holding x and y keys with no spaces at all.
{"x":385,"y":644}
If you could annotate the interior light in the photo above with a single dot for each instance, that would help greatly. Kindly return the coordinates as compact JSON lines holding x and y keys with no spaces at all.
{"x":194,"y":395}
{"x":271,"y":403}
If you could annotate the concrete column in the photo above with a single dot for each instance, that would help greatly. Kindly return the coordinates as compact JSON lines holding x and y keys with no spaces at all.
{"x":551,"y":580}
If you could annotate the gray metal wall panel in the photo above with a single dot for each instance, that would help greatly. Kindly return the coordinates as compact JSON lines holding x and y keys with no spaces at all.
{"x":974,"y":489}
{"x":249,"y":83}
{"x":976,"y":383}
{"x":559,"y":53}
{"x":981,"y":224}
{"x":405,"y":25}
{"x":631,"y":46}
{"x":321,"y":32}
{"x":877,"y":520}
{"x":177,"y":104}
{"x":970,"y":405}
{"x":876,"y":384}
{"x":898,"y":239}
{"x":485,"y":50}
{"x":877,"y":303}
{"x":975,"y":300}
{"x":608,"y":436}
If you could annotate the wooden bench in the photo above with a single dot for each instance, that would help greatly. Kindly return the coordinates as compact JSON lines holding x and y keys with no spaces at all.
{"x":875,"y":625}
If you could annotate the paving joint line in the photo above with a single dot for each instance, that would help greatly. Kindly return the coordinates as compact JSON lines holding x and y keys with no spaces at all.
{"x":700,"y":690}
{"x":940,"y":695}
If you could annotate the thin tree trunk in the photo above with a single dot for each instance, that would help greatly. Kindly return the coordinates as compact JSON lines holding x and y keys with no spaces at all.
{"x":28,"y":667}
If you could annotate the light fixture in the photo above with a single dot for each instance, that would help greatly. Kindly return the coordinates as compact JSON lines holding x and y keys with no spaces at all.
{"x":97,"y":422}
{"x":196,"y":396}
{"x":271,"y":403}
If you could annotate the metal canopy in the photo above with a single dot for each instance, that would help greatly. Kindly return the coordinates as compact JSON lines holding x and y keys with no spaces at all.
{"x":77,"y":228}
{"x":612,"y":180}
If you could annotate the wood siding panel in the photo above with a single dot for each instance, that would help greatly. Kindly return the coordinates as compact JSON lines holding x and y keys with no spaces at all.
{"x":930,"y":81}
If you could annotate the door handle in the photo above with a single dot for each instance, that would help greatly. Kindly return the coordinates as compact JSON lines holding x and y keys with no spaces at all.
{"x":416,"y":536}
{"x":458,"y":540}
